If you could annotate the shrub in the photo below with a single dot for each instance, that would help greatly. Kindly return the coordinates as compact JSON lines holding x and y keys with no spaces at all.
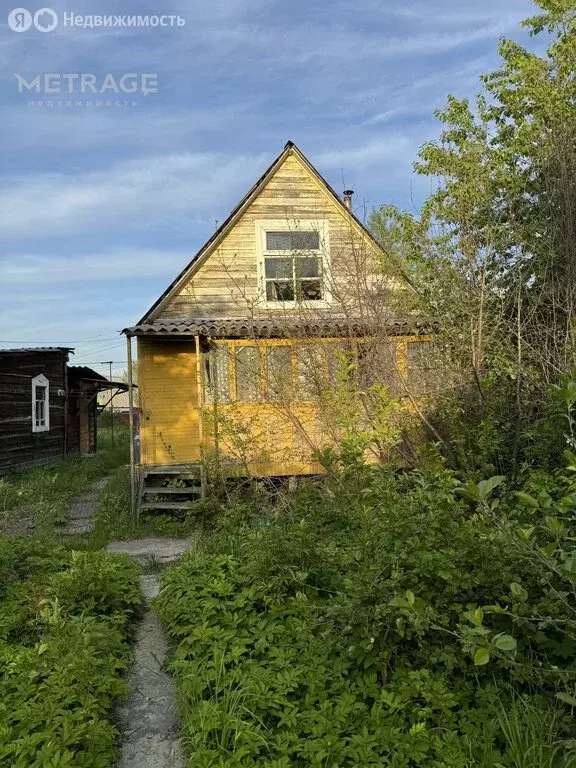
{"x":346,"y":632}
{"x":65,"y":623}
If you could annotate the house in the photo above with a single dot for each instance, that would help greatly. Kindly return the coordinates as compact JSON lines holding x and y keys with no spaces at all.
{"x":47,"y":407}
{"x":229,"y":353}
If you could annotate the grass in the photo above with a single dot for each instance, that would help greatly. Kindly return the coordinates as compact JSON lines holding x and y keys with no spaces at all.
{"x":44,"y":494}
{"x":42,"y":497}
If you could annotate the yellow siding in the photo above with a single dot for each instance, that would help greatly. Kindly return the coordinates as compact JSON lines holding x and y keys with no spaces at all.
{"x":258,"y":439}
{"x":226,"y":283}
{"x":168,"y":387}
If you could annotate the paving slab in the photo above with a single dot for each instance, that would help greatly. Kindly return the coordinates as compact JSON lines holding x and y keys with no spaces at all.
{"x":82,"y":510}
{"x":151,"y":551}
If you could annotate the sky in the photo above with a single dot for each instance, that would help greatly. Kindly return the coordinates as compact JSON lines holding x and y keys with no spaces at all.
{"x":105,"y":198}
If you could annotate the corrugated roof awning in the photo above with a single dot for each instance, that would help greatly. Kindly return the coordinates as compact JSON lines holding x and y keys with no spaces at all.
{"x":277,"y":327}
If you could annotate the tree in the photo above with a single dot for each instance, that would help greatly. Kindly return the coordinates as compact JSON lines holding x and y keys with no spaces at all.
{"x":493,"y":255}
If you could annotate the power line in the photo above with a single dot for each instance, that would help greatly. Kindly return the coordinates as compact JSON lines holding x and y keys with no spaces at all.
{"x":57,"y":343}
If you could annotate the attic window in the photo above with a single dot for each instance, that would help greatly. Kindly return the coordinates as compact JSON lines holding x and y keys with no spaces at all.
{"x":40,"y":404}
{"x":293,"y":265}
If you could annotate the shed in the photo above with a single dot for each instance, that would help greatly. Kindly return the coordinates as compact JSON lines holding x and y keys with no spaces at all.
{"x":47,"y":408}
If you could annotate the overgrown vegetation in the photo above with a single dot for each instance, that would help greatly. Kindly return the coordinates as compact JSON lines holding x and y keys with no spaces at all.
{"x":491,"y":257}
{"x":65,"y":625}
{"x":44,"y":494}
{"x":381,"y":620}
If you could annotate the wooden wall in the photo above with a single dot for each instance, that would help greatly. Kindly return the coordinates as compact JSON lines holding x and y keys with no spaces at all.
{"x":167,"y":381}
{"x":262,"y":438}
{"x":226,"y":283}
{"x":19,"y":446}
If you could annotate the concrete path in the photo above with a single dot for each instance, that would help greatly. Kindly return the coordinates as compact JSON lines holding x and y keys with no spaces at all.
{"x":82,"y":509}
{"x":151,"y":552}
{"x":149,"y":719}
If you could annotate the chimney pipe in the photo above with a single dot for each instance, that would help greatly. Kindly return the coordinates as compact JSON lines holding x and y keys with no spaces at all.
{"x":348,"y":198}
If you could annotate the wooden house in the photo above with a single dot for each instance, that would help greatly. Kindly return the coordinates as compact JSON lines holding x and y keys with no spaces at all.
{"x":229,"y":352}
{"x":47,"y":408}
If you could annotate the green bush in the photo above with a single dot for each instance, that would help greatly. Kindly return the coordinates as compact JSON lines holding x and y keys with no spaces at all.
{"x":379,"y":620}
{"x":65,"y":625}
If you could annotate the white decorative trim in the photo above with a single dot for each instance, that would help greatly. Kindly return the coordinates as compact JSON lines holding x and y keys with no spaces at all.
{"x":41,"y":381}
{"x":298,"y":225}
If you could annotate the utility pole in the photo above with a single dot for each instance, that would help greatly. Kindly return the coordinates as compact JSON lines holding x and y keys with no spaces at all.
{"x":109,"y":364}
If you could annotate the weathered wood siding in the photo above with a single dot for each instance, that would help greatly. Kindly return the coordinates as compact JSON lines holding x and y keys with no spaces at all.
{"x":227,"y":282}
{"x":168,"y":393}
{"x":19,"y":446}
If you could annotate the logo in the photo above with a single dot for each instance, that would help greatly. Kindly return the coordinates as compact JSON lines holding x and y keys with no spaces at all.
{"x":45,"y":20}
{"x":20,"y":20}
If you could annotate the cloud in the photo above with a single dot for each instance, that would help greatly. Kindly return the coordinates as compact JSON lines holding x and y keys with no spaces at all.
{"x":128,"y":194}
{"x":28,"y":270}
{"x":377,"y":150}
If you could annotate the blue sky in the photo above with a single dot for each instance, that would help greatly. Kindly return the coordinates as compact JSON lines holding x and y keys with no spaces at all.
{"x":100,"y":207}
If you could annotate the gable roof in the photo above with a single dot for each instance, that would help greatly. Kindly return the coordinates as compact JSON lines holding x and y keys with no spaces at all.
{"x":289,"y":149}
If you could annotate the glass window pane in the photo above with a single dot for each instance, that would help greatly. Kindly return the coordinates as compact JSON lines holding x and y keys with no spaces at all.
{"x":310,"y":290}
{"x":305,"y":241}
{"x":278,"y":241}
{"x":341,"y":362}
{"x":424,"y":367}
{"x":216,"y":375}
{"x":377,"y":365}
{"x":247,"y":374}
{"x":307,"y":267}
{"x":312,"y":379}
{"x":277,"y":290}
{"x":279,"y":268}
{"x":292,"y":241}
{"x":279,"y":373}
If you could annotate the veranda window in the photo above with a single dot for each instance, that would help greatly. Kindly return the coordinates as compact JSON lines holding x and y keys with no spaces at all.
{"x":216,"y":375}
{"x":279,"y":373}
{"x":425,"y":368}
{"x":248,"y":379}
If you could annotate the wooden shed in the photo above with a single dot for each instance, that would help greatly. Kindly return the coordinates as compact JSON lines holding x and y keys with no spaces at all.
{"x":228,"y":353}
{"x":47,"y":408}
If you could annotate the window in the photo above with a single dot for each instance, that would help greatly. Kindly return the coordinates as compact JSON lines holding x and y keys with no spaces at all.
{"x":216,"y":377}
{"x":279,"y":373}
{"x":248,"y":379}
{"x":425,"y":374}
{"x":293,"y":263}
{"x":40,"y":404}
{"x":312,"y":372}
{"x":377,"y":365}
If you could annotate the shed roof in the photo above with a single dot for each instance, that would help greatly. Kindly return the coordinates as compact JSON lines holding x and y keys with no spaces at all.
{"x":275,"y":327}
{"x":39,"y":350}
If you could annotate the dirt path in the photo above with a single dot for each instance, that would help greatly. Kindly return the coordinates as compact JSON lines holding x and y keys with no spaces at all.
{"x":80,"y":515}
{"x":149,"y":718}
{"x":82,"y":509}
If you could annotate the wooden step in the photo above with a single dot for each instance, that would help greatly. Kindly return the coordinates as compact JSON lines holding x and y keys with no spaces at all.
{"x":158,"y":490}
{"x":185,"y":505}
{"x":185,"y":470}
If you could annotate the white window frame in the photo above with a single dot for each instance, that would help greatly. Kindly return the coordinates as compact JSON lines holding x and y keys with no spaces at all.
{"x":41,"y":381}
{"x":302,"y":225}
